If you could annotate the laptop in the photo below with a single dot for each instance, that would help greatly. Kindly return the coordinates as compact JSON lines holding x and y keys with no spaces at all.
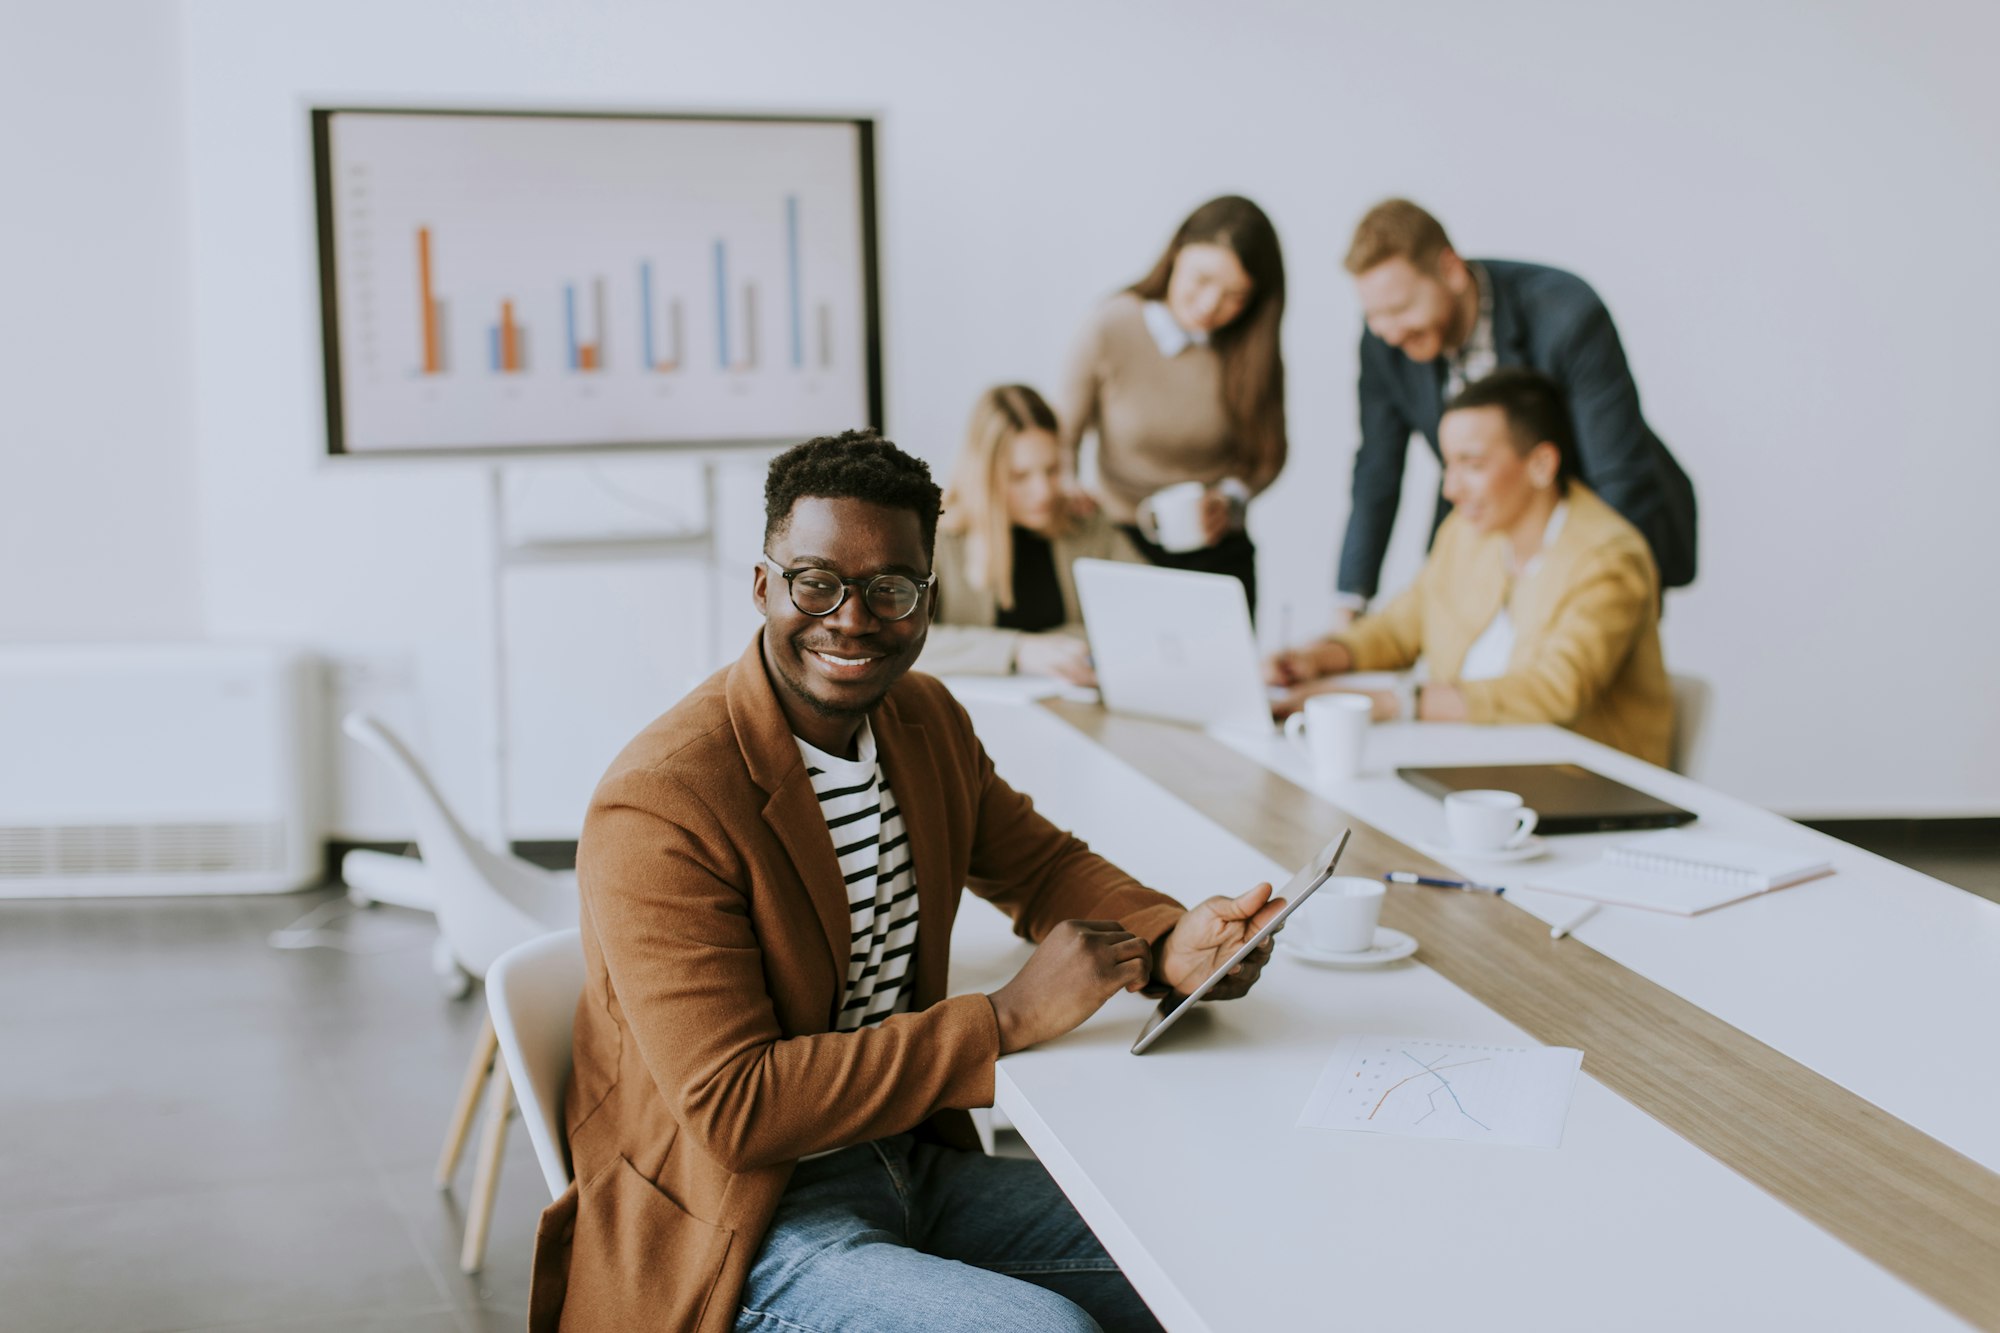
{"x":1173,"y":644}
{"x":1568,"y":798}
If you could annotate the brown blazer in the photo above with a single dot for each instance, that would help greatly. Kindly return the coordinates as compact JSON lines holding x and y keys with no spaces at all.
{"x":715,"y":935}
{"x":1586,"y":629}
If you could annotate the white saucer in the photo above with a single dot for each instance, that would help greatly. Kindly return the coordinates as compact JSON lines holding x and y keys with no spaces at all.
{"x":1448,"y":853}
{"x":1390,"y":945}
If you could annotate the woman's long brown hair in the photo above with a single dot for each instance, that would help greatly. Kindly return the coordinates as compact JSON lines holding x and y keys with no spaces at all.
{"x":1253,"y":367}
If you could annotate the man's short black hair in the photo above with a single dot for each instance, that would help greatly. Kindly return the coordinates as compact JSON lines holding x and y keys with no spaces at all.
{"x":853,"y":465}
{"x":1535,"y":411}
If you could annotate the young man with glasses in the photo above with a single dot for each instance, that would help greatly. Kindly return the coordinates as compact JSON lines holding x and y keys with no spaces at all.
{"x":767,"y":1111}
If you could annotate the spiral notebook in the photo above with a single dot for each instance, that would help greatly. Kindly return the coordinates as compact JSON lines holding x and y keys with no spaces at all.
{"x":1683,"y":871}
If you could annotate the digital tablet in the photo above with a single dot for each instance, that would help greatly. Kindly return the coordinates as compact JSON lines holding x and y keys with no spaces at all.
{"x":1300,"y":887}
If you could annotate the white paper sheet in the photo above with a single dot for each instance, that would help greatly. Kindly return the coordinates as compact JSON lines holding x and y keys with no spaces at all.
{"x":1422,"y":1088}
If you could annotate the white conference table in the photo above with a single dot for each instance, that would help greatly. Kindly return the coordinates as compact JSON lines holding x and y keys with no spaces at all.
{"x":1189,"y":1164}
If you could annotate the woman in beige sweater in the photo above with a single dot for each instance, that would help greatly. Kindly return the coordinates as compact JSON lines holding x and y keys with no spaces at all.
{"x":1181,"y":379}
{"x":1010,"y":531}
{"x":1538,"y":603}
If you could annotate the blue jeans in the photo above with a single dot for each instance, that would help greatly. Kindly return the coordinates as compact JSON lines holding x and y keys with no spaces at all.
{"x":898,"y":1235}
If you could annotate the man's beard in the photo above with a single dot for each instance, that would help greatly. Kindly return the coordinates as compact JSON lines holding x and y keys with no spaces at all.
{"x":824,"y":708}
{"x":800,"y":691}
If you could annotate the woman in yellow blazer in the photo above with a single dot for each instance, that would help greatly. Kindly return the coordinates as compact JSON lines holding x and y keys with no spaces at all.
{"x":1538,"y":603}
{"x":1010,"y":532}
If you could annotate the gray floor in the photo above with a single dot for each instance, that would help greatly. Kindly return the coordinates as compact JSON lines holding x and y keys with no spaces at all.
{"x":199,"y":1131}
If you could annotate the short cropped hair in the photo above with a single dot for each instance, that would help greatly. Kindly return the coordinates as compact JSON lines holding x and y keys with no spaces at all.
{"x":1535,"y":411}
{"x":1396,"y":229}
{"x":854,"y":465}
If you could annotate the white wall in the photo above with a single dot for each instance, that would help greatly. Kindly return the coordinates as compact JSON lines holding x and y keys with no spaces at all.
{"x":1787,"y":206}
{"x":97,"y":518}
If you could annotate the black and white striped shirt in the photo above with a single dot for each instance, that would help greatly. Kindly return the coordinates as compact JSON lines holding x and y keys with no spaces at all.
{"x":873,"y":849}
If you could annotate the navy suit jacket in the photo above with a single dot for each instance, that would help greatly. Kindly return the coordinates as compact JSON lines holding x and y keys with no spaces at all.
{"x":1552,"y":321}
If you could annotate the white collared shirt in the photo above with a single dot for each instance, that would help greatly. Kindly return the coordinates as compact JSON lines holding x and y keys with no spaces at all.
{"x":1478,"y":358}
{"x":1168,"y":335}
{"x":1487,"y":658}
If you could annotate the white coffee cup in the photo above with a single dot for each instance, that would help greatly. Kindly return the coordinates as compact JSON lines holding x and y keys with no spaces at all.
{"x":1487,"y":821}
{"x":1341,"y":916}
{"x":1335,"y":727}
{"x":1171,"y":518}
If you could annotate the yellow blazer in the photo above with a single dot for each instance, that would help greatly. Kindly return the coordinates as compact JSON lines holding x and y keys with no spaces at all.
{"x":715,"y":939}
{"x":1586,"y":629}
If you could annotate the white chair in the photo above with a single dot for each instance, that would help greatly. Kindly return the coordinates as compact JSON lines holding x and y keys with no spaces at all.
{"x":532,"y":993}
{"x":487,"y":902}
{"x":1692,"y":697}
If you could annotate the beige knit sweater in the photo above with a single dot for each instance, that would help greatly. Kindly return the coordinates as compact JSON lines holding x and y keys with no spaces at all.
{"x":1158,"y":420}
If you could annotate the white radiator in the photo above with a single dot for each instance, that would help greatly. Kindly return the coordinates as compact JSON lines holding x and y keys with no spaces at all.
{"x":158,"y":769}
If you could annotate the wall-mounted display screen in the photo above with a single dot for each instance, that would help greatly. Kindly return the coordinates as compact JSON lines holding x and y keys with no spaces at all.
{"x":507,"y":282}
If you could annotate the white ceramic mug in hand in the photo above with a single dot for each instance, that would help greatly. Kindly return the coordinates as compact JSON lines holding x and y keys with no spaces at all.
{"x":1335,"y":727}
{"x":1171,"y":518}
{"x":1487,"y":821}
{"x":1341,"y":917}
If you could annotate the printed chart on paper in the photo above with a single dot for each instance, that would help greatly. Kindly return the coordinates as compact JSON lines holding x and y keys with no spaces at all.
{"x":1419,"y":1087}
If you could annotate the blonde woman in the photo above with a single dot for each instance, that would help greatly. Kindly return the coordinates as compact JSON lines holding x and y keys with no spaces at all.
{"x":1010,"y":531}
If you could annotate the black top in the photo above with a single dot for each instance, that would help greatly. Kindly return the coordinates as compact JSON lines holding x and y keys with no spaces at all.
{"x":1038,"y":602}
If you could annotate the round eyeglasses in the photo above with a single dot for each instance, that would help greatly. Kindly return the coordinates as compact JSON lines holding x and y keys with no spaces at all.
{"x":820,"y":592}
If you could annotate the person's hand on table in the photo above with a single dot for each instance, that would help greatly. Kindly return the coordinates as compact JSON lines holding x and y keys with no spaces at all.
{"x":1386,"y":707}
{"x":1308,"y":665}
{"x":1443,"y":702}
{"x":1074,"y":970}
{"x":1207,"y":934}
{"x":1291,"y":666}
{"x":1057,"y":655}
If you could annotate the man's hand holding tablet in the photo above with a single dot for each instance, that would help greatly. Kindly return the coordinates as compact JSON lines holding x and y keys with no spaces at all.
{"x":1202,"y":941}
{"x":1227,"y":941}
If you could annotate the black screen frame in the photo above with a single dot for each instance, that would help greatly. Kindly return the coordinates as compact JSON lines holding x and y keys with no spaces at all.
{"x":329,"y":323}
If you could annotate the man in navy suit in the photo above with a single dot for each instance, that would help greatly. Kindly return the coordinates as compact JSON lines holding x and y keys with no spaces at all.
{"x":1436,"y":323}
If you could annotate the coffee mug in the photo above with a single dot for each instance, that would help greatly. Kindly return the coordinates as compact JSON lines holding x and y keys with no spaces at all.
{"x":1341,"y":917}
{"x":1335,"y":727}
{"x":1487,"y":821}
{"x":1171,"y":518}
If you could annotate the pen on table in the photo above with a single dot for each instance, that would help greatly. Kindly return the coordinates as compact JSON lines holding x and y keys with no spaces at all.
{"x":1557,"y":932}
{"x":1432,"y":882}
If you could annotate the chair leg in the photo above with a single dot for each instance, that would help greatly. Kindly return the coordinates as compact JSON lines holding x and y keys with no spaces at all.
{"x":486,"y":1179}
{"x":483,"y":1056}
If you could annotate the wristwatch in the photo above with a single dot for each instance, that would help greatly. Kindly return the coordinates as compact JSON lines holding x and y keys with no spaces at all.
{"x":1408,"y":693}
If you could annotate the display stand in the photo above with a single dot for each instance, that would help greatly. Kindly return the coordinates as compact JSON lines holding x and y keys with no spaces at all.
{"x":701,"y":541}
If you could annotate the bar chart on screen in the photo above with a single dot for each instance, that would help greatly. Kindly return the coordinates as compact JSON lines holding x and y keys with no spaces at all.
{"x":503,"y":281}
